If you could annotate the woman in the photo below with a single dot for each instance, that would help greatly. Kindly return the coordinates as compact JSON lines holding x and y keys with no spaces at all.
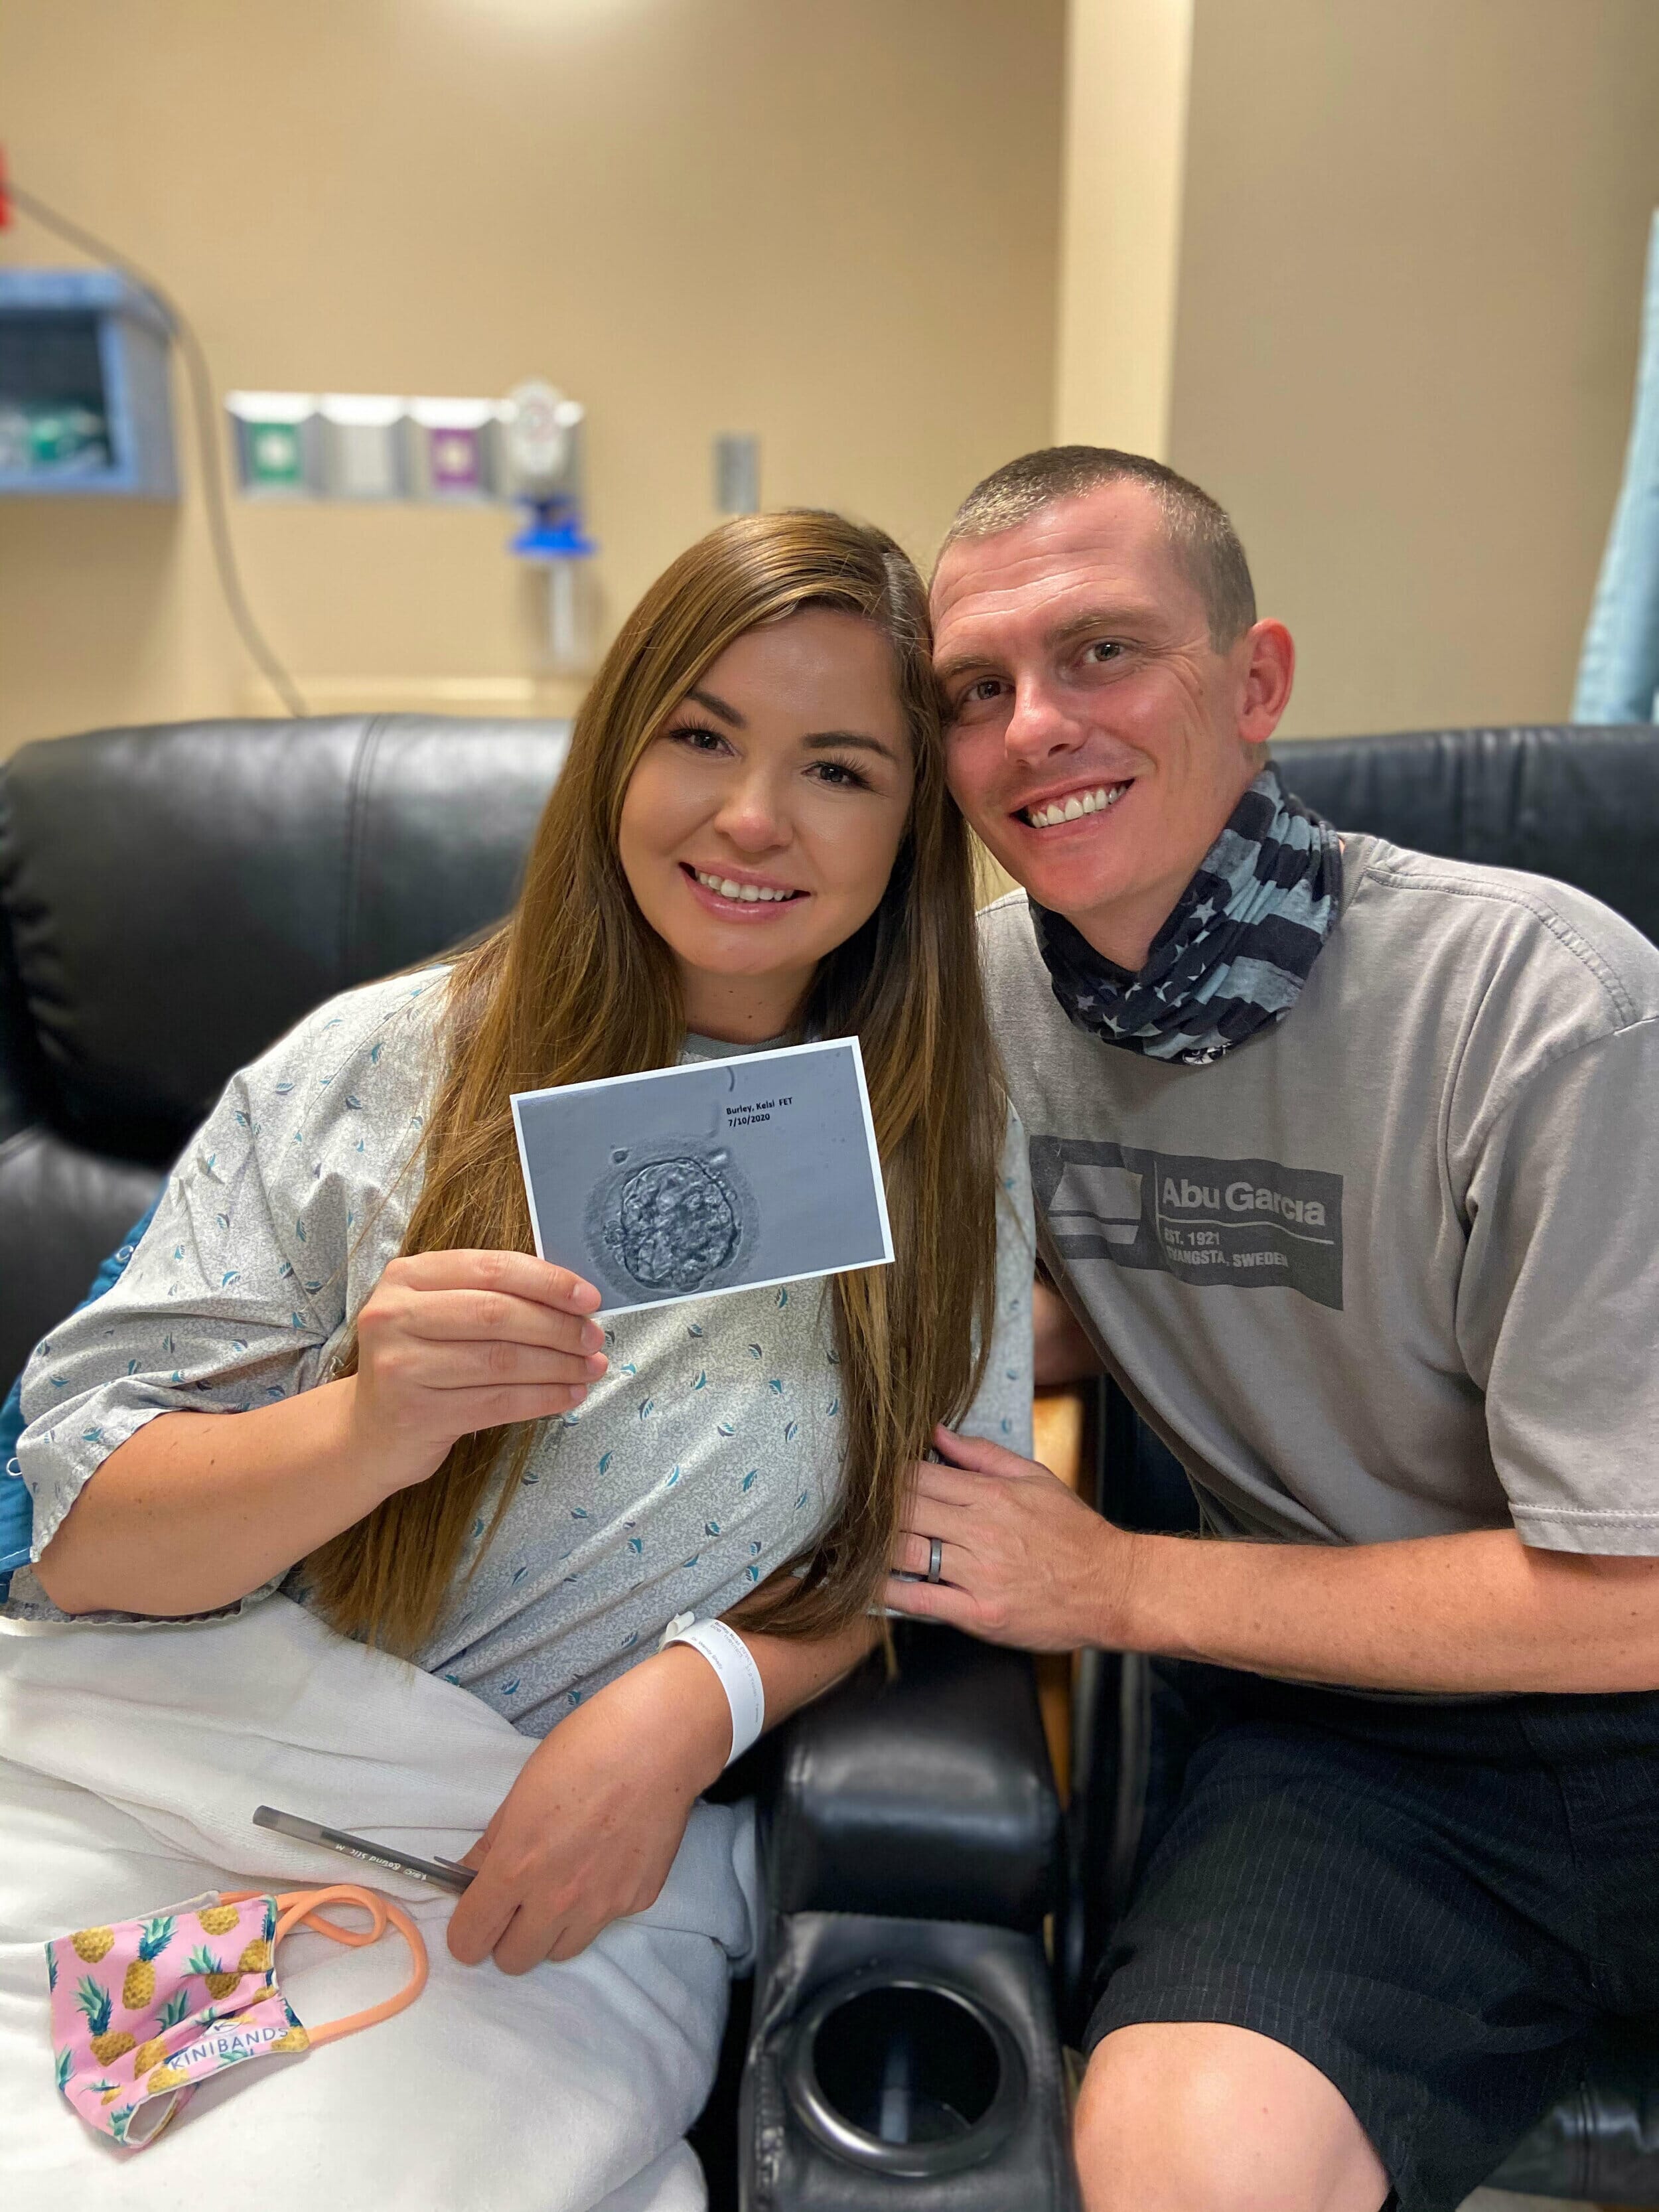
{"x":439,"y":1450}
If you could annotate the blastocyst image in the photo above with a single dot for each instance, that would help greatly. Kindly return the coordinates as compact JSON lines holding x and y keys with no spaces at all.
{"x":677,"y":1223}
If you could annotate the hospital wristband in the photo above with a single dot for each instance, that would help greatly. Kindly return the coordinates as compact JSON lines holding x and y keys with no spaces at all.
{"x":734,"y":1665}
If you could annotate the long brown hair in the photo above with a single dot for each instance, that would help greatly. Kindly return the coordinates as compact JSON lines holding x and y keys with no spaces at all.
{"x":576,"y":985}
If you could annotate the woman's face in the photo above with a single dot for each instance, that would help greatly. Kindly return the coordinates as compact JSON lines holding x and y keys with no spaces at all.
{"x":763,"y":821}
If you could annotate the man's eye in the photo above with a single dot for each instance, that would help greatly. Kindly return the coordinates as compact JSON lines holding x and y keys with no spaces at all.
{"x":980,"y":692}
{"x":1104,"y":648}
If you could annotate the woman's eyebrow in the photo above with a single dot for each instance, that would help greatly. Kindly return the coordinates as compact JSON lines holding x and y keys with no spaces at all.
{"x":818,"y":739}
{"x":815,"y":740}
{"x":718,"y":706}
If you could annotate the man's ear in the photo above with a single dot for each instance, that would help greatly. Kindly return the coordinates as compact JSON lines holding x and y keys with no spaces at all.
{"x":1268,"y":670}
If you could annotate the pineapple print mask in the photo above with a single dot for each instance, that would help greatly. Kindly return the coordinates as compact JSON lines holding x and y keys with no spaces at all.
{"x":144,"y":2011}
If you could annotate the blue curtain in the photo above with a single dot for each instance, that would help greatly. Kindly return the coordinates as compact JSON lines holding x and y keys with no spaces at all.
{"x":1618,"y":668}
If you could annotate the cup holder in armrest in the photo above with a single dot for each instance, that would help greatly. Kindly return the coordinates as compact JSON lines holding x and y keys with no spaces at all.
{"x":903,"y":2066}
{"x":904,"y":2074}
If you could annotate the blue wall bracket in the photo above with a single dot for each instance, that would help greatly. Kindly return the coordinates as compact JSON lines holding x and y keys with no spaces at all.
{"x":85,"y":401}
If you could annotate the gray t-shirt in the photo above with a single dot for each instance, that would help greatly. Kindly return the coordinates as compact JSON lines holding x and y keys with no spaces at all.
{"x":1390,"y":1269}
{"x":708,"y":1455}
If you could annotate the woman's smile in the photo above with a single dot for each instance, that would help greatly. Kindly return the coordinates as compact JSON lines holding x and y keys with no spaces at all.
{"x":738,"y":896}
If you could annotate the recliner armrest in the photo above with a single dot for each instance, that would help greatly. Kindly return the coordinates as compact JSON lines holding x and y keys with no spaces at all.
{"x":926,"y":1797}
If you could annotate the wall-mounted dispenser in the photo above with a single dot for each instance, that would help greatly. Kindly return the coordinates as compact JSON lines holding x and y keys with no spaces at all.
{"x":527,"y":447}
{"x":363,"y":446}
{"x":453,"y":449}
{"x":345,"y":444}
{"x":541,"y":434}
{"x":278,"y":443}
{"x":84,"y":401}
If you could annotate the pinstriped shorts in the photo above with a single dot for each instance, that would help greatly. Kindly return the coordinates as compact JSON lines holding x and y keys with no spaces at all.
{"x":1433,"y":1902}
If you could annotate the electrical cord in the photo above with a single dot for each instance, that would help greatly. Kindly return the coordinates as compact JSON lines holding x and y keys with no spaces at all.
{"x":206,"y":417}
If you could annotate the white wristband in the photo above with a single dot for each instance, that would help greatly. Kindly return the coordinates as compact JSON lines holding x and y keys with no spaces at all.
{"x":739,"y":1677}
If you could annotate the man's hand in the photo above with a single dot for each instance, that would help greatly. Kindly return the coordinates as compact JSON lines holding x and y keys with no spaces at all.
{"x":588,"y":1832}
{"x":1023,"y":1561}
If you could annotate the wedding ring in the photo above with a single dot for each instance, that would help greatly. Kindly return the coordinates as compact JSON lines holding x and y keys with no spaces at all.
{"x":935,"y":1555}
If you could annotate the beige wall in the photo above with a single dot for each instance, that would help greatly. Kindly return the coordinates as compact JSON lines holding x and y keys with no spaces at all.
{"x":1127,"y":68}
{"x":1409,"y":284}
{"x":832,"y":224}
{"x":1376,"y":269}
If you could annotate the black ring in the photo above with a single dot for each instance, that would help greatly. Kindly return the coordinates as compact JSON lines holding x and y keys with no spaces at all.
{"x":935,"y":1557}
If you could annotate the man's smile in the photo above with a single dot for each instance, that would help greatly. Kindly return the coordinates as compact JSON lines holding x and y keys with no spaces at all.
{"x":1053,"y":810}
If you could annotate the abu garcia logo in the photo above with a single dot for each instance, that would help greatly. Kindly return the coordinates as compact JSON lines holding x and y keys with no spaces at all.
{"x":1185,"y":1196}
{"x":1245,"y":1225}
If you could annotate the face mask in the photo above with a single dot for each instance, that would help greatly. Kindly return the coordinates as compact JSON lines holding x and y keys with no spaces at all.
{"x":144,"y":2012}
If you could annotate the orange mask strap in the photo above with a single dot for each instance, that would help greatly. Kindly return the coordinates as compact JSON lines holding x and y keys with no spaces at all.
{"x":303,"y":1907}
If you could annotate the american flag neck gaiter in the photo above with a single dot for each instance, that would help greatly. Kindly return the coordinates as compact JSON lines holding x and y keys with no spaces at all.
{"x":1233,"y":956}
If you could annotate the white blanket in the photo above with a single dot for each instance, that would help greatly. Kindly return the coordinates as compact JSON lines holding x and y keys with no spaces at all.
{"x":131,"y":1762}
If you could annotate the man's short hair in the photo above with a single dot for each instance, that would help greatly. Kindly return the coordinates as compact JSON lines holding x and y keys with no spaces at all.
{"x":1200,"y":533}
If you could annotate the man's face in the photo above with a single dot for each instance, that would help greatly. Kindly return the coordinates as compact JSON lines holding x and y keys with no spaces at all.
{"x":1098,"y":740}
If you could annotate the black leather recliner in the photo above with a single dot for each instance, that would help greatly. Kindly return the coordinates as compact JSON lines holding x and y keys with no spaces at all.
{"x":175,"y":899}
{"x":171,"y":900}
{"x":1579,"y":804}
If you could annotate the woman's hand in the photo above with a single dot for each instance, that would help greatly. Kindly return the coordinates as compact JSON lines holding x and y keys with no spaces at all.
{"x":195,"y":1510}
{"x":588,"y":1832}
{"x":449,"y":1342}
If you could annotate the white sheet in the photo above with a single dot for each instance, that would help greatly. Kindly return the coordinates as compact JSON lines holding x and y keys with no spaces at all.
{"x":131,"y":1766}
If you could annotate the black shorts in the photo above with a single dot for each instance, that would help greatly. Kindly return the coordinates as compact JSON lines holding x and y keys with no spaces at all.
{"x":1434,"y":1903}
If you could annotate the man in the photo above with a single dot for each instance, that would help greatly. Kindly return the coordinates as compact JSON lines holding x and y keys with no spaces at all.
{"x":1347,"y":1169}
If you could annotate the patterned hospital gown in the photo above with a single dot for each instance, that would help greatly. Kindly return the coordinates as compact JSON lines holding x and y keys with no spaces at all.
{"x":708,"y":1455}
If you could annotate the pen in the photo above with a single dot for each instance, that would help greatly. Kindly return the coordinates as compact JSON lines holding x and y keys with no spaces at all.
{"x":444,"y":1872}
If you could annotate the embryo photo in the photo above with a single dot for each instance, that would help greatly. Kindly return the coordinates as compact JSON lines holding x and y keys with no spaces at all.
{"x":721,"y":1175}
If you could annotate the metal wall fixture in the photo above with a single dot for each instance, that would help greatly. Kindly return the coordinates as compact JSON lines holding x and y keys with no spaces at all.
{"x":452,"y":449}
{"x":370,"y":446}
{"x":736,"y":472}
{"x":85,"y":402}
{"x":278,"y":443}
{"x":363,"y":446}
